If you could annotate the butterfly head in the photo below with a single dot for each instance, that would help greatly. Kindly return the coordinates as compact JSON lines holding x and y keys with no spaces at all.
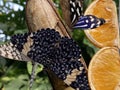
{"x":102,"y":21}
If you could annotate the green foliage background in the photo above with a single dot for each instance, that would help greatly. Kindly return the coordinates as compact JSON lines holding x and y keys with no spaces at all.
{"x":15,"y":75}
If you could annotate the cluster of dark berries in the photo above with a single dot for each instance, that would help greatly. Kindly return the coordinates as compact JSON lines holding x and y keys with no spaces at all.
{"x":19,"y":40}
{"x":59,"y":54}
{"x":68,"y":49}
{"x":81,"y":81}
{"x":49,"y":47}
{"x":46,"y":36}
{"x":62,"y":70}
{"x":44,"y":41}
{"x":66,"y":68}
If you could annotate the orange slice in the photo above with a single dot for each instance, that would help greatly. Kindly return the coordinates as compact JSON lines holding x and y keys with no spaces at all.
{"x":104,"y":70}
{"x":107,"y":34}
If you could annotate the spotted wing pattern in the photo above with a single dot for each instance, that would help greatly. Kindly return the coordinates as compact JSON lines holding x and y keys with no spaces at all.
{"x":76,"y":10}
{"x":89,"y":22}
{"x":9,"y":51}
{"x":59,"y":54}
{"x":17,"y":49}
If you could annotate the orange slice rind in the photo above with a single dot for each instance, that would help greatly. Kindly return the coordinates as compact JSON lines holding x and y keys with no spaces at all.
{"x":107,"y":34}
{"x":104,"y":70}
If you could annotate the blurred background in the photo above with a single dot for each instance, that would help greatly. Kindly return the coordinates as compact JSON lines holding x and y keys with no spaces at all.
{"x":14,"y":75}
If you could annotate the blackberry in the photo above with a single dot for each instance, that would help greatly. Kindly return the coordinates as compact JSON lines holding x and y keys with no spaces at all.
{"x":46,"y":37}
{"x":66,"y":56}
{"x":19,"y":40}
{"x":70,"y":47}
{"x":59,"y":54}
{"x":81,"y":81}
{"x":44,"y":42}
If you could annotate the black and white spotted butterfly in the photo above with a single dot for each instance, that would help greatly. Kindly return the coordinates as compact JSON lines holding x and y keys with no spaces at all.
{"x":59,"y":54}
{"x":89,"y":22}
{"x":76,"y":10}
{"x":78,"y":20}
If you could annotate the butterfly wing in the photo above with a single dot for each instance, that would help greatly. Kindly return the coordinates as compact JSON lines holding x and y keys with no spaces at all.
{"x":76,"y":10}
{"x":9,"y":51}
{"x":17,"y":49}
{"x":89,"y":22}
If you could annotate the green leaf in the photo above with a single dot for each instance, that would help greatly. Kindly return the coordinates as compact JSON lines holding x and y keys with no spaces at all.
{"x":38,"y":69}
{"x":2,"y":62}
{"x":17,"y":83}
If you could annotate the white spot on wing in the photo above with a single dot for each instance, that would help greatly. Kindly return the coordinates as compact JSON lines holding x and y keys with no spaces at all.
{"x":80,"y":22}
{"x":72,"y":10}
{"x":82,"y":26}
{"x":92,"y":19}
{"x":87,"y":21}
{"x":92,"y":25}
{"x":79,"y":4}
{"x":74,"y":17}
{"x":73,"y":4}
{"x":78,"y":12}
{"x":98,"y":23}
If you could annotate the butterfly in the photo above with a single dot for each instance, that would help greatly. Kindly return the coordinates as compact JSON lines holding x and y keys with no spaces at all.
{"x":59,"y":54}
{"x":79,"y":20}
{"x":89,"y":22}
